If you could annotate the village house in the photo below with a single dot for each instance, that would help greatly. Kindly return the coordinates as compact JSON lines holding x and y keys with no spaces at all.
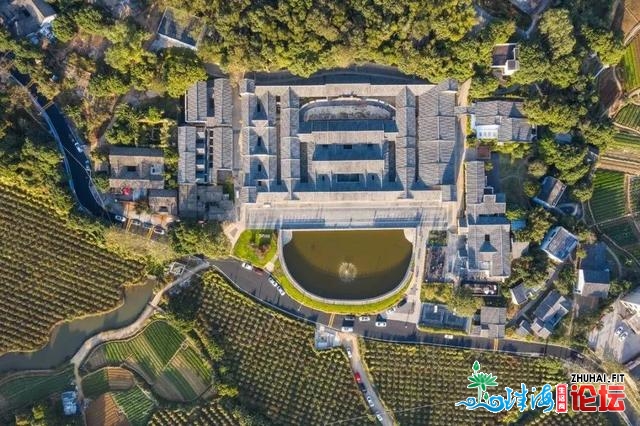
{"x":505,"y":58}
{"x":551,"y":192}
{"x":559,"y":244}
{"x":501,"y":120}
{"x":25,"y":18}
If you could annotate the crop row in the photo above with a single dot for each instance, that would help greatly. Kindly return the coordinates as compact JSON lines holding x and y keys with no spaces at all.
{"x":25,"y":389}
{"x":622,"y":233}
{"x":211,"y":414}
{"x":631,"y":65}
{"x":629,"y":116}
{"x":625,"y":142}
{"x":50,"y":272}
{"x":135,"y":405}
{"x":608,"y":201}
{"x":272,"y":361}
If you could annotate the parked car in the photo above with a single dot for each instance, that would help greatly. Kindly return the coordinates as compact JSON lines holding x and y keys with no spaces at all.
{"x":623,"y":336}
{"x":147,"y":225}
{"x":448,"y":336}
{"x":392,"y":309}
{"x":381,"y":323}
{"x":258,"y":271}
{"x":87,"y":166}
{"x":280,"y":290}
{"x":363,"y":388}
{"x":349,"y":354}
{"x":379,"y":417}
{"x":272,"y":281}
{"x":364,"y":318}
{"x":136,"y":222}
{"x":247,"y":266}
{"x":346,"y":329}
{"x":369,"y":401}
{"x":79,"y":147}
{"x":356,"y":376}
{"x":349,"y":318}
{"x":159,"y":230}
{"x":619,"y":330}
{"x":120,"y":218}
{"x":402,"y":302}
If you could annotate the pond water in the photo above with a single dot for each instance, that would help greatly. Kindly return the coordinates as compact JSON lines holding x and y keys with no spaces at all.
{"x":348,"y":265}
{"x":67,"y":337}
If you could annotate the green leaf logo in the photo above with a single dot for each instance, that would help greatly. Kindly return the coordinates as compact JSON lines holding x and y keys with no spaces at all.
{"x":481,"y":381}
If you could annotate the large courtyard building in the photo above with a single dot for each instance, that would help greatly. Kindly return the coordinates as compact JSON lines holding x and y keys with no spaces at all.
{"x":350,"y":154}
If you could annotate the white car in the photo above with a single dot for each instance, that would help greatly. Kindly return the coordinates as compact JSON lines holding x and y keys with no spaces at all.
{"x":247,"y":266}
{"x":392,"y":309}
{"x":381,"y":323}
{"x":379,"y":417}
{"x":369,"y":401}
{"x":159,"y":230}
{"x":79,"y":147}
{"x":448,"y":336}
{"x":364,"y":318}
{"x":120,"y":218}
{"x":349,"y":318}
{"x":346,"y":329}
{"x":349,"y":354}
{"x":280,"y":290}
{"x":619,"y":330}
{"x":623,"y":336}
{"x":87,"y":166}
{"x":272,"y":281}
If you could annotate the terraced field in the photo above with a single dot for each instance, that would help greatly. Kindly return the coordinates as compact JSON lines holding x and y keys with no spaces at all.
{"x":622,"y":232}
{"x":608,"y":201}
{"x":626,"y":142}
{"x":19,"y":390}
{"x":631,"y":65}
{"x":163,"y":356}
{"x":135,"y":405}
{"x":105,"y":380}
{"x":50,"y":272}
{"x":629,"y":116}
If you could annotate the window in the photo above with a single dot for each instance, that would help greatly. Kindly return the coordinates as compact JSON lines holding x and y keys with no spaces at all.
{"x":323,"y":178}
{"x":370,"y":145}
{"x":259,"y":167}
{"x":348,"y":177}
{"x":487,"y":238}
{"x":258,"y":106}
{"x":347,"y":146}
{"x":131,"y":168}
{"x":373,"y":177}
{"x":325,"y":146}
{"x":259,"y":143}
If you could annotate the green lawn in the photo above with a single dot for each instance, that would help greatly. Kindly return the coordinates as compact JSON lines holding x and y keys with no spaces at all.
{"x":608,"y":200}
{"x":257,"y":246}
{"x":513,"y":173}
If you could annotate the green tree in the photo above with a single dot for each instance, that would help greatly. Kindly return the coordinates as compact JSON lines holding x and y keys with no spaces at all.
{"x":64,"y":28}
{"x":557,"y":29}
{"x":606,"y":44}
{"x":193,"y":238}
{"x":181,"y":70}
{"x":538,"y":223}
{"x":537,"y":168}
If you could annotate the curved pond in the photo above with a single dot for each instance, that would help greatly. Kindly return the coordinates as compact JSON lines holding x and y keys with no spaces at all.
{"x":348,"y":265}
{"x":67,"y":337}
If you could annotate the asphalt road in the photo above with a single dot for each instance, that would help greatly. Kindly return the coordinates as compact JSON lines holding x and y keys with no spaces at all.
{"x":396,"y":331}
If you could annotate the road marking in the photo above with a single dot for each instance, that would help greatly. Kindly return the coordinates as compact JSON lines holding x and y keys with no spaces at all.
{"x":495,"y":344}
{"x":331,"y":320}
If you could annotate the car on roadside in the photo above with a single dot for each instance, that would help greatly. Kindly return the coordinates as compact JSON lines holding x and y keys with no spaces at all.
{"x":87,"y":166}
{"x":258,"y":271}
{"x":247,"y":266}
{"x":349,"y":318}
{"x":147,"y":225}
{"x":362,"y":387}
{"x":392,"y":309}
{"x":120,"y":218}
{"x":369,"y":401}
{"x":79,"y":147}
{"x":364,"y":318}
{"x":280,"y":290}
{"x":379,"y":417}
{"x":402,"y":302}
{"x":349,"y":354}
{"x":272,"y":281}
{"x":448,"y":336}
{"x":159,"y":230}
{"x":136,"y":222}
{"x":381,"y":323}
{"x":623,"y":336}
{"x":346,"y":329}
{"x":619,"y":330}
{"x":356,"y":376}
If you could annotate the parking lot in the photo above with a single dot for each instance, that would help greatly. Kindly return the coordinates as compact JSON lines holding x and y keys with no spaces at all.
{"x":609,"y":344}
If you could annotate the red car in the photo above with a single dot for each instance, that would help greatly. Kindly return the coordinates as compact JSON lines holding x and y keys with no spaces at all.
{"x":356,"y":375}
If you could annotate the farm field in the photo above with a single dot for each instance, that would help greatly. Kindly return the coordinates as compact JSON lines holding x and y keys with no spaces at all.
{"x":51,"y":272}
{"x":631,"y":65}
{"x":104,"y":411}
{"x":634,"y":189}
{"x":629,"y":116}
{"x":272,"y":361}
{"x":135,"y":405}
{"x":16,"y":391}
{"x":608,"y":201}
{"x":163,"y":356}
{"x":105,"y":380}
{"x":212,"y":414}
{"x":626,"y":142}
{"x":409,"y":376}
{"x":622,"y":232}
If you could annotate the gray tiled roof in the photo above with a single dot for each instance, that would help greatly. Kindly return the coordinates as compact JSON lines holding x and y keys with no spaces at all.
{"x":186,"y":154}
{"x":223,"y":100}
{"x":519,"y":294}
{"x":475,"y":181}
{"x":132,"y":151}
{"x":559,"y":243}
{"x":197,"y":103}
{"x":552,"y":309}
{"x":507,"y":115}
{"x":489,"y":245}
{"x":551,"y":191}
